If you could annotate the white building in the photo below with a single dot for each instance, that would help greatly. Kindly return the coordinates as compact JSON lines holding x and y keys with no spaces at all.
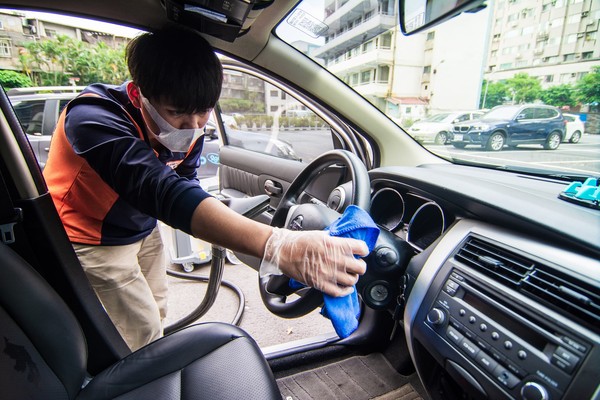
{"x":564,"y":47}
{"x":365,"y":48}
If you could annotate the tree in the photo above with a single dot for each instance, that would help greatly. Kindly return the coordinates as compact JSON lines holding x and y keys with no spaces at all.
{"x":54,"y":61}
{"x":14,"y":79}
{"x":524,"y":88}
{"x":559,"y":96}
{"x":587,"y":89}
{"x":493,"y":94}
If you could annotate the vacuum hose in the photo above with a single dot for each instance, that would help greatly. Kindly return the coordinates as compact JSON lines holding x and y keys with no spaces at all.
{"x":215,"y":280}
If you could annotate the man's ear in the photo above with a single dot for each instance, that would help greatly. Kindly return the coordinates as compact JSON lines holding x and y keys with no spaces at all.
{"x":134,"y":95}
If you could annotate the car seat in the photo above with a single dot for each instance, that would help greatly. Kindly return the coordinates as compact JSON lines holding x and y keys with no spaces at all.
{"x":34,"y":127}
{"x":44,"y":353}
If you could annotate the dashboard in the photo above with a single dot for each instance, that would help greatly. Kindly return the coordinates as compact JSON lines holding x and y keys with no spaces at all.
{"x":503,"y":287}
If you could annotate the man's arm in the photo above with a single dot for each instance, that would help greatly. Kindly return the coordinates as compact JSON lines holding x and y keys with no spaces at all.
{"x":312,"y":257}
{"x":214,"y":222}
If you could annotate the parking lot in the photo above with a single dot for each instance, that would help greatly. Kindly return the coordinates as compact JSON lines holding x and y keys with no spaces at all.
{"x":578,"y":158}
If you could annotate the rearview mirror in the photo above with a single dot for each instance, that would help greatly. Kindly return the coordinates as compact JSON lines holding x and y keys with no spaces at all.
{"x":418,"y":15}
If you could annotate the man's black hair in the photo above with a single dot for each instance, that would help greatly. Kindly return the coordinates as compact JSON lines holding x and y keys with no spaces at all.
{"x":177,"y":66}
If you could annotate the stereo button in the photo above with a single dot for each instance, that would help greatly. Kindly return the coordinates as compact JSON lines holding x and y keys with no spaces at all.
{"x":486,"y":361}
{"x":566,"y":366}
{"x":566,"y":355}
{"x":454,"y":335}
{"x":575,"y":344}
{"x":469,"y":347}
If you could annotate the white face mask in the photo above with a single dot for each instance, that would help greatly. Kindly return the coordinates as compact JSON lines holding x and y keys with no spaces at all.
{"x":172,"y":138}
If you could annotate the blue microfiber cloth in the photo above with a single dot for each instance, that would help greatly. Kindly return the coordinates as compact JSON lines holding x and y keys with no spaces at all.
{"x":344,"y":312}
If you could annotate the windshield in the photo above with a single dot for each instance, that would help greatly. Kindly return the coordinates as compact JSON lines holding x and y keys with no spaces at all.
{"x":501,"y":113}
{"x":436,"y":118}
{"x":524,"y":52}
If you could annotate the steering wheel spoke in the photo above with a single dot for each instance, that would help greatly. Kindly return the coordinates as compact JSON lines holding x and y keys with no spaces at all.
{"x":310,"y":216}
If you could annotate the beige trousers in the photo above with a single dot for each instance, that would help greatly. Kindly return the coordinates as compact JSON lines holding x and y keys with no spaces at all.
{"x":131,"y":283}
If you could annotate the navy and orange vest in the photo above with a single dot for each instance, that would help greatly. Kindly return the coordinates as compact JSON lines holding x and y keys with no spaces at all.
{"x":90,"y":206}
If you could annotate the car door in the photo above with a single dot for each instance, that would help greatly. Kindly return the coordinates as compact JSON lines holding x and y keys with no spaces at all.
{"x":270,"y":134}
{"x":523,"y":128}
{"x":31,"y":115}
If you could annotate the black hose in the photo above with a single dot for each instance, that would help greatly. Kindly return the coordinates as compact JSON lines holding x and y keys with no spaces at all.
{"x":203,"y":278}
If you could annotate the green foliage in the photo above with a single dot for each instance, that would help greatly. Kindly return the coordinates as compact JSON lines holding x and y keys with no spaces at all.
{"x":14,"y":79}
{"x":588,"y":88}
{"x":559,"y":96}
{"x":53,"y":61}
{"x":242,"y":106}
{"x":493,"y":94}
{"x":524,"y":88}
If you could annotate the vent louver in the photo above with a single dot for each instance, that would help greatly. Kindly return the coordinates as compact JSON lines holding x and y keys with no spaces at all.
{"x":494,"y":261}
{"x":533,"y":279}
{"x":565,"y":293}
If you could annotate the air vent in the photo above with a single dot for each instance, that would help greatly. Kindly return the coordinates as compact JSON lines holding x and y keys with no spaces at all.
{"x":565,"y":293}
{"x":493,"y":260}
{"x":535,"y":280}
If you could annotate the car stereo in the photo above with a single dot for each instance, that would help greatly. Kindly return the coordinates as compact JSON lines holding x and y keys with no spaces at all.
{"x":528,"y":356}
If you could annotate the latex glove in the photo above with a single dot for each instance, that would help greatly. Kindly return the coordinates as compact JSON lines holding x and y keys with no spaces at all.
{"x":316,"y":259}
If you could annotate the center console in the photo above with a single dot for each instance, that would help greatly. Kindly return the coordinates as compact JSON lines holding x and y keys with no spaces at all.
{"x":494,"y":335}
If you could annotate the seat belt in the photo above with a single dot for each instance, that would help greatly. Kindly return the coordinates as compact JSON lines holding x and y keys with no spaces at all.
{"x":9,"y":214}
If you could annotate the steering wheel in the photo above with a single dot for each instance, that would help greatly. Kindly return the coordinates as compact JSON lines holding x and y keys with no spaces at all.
{"x":275,"y":289}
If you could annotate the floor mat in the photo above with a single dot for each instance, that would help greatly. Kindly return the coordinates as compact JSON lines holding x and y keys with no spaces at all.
{"x":356,"y":378}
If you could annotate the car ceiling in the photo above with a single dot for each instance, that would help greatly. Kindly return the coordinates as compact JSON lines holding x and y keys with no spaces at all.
{"x":150,"y":14}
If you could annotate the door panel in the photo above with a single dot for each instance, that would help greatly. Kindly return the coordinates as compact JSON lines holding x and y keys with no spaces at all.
{"x":268,"y":135}
{"x":245,"y":173}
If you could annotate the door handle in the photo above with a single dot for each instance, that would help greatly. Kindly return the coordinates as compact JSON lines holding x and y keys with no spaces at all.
{"x":272,"y":188}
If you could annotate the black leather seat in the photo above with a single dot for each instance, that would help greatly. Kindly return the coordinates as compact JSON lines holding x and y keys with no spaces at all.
{"x":44,"y":353}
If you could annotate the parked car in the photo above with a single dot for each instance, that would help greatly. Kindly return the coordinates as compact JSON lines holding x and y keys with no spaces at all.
{"x":483,"y":283}
{"x":438,"y":128}
{"x":574,"y":128}
{"x":513,"y":125}
{"x":38,"y":109}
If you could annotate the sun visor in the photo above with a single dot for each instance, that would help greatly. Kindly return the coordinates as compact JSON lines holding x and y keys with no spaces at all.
{"x":224,"y":19}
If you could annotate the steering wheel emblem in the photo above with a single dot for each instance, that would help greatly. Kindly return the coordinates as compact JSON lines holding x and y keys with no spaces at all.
{"x":296,"y":224}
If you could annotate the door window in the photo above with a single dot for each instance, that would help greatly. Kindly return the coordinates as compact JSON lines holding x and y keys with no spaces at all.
{"x":263,"y":118}
{"x":546,"y":113}
{"x":30,"y":115}
{"x":528,"y":113}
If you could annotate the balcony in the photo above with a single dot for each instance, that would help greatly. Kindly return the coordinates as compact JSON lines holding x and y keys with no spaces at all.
{"x":374,"y":89}
{"x":349,"y":12}
{"x":367,"y":30}
{"x":371,"y":59}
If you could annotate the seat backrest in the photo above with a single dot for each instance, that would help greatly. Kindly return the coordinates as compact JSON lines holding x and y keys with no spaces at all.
{"x":43,"y":348}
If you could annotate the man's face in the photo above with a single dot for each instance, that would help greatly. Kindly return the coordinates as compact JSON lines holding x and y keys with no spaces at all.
{"x":176,"y":118}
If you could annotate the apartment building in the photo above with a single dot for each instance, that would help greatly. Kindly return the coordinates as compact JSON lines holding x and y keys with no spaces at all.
{"x":360,"y":48}
{"x":16,"y":28}
{"x":564,"y":47}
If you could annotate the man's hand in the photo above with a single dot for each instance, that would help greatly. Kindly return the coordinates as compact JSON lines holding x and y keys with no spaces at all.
{"x":316,"y":259}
